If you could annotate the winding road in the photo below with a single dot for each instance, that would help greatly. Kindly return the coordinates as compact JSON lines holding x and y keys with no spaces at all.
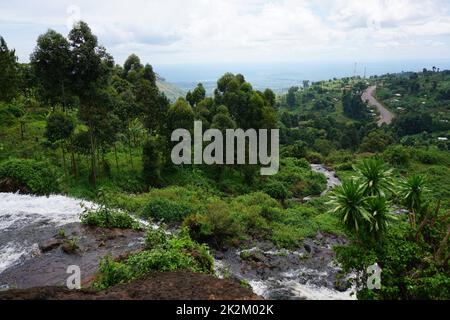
{"x":385,"y":115}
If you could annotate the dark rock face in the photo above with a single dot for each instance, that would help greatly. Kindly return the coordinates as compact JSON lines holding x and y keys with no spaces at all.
{"x":10,"y":185}
{"x":157,"y":286}
{"x":83,"y":246}
{"x":49,"y":244}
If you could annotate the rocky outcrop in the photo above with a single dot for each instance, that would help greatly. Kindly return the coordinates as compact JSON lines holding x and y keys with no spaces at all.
{"x":157,"y":286}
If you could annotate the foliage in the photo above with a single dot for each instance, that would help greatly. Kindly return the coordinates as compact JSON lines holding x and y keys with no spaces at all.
{"x":169,"y":254}
{"x":37,"y":177}
{"x":105,"y":217}
{"x":167,"y":210}
{"x":374,"y":177}
{"x":9,"y":72}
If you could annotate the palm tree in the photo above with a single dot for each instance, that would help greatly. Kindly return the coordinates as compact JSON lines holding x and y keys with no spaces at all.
{"x":411,"y":194}
{"x":378,"y":208}
{"x":374,"y":176}
{"x":349,"y":203}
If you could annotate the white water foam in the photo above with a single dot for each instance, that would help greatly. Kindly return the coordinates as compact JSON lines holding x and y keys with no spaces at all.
{"x":13,"y":252}
{"x":17,"y":209}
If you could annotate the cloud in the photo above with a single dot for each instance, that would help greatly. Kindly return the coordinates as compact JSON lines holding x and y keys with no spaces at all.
{"x":235,"y":30}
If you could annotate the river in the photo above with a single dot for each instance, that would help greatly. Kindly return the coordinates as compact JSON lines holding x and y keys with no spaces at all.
{"x":27,"y":221}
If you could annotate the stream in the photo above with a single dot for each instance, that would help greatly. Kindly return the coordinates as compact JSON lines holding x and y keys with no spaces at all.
{"x":31,"y":255}
{"x":307,"y":273}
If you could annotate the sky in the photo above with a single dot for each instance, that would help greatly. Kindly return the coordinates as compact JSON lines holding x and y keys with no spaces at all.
{"x":230,"y":31}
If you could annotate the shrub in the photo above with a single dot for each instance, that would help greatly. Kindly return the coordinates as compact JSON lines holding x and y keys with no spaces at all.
{"x":105,"y":217}
{"x":216,"y":227}
{"x":166,"y":210}
{"x":155,"y":238}
{"x":397,"y":155}
{"x":426,"y":156}
{"x":29,"y":176}
{"x":277,"y":190}
{"x":314,"y":157}
{"x":167,"y":254}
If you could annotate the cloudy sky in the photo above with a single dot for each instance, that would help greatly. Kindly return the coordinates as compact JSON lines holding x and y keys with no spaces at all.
{"x":183,"y":31}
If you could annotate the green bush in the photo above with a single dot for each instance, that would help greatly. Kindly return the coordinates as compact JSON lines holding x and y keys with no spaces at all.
{"x":104,"y":217}
{"x":166,"y":210}
{"x":397,"y":155}
{"x":216,"y":227}
{"x":426,"y":156}
{"x":155,"y":238}
{"x":277,"y":190}
{"x":168,"y":253}
{"x":34,"y":176}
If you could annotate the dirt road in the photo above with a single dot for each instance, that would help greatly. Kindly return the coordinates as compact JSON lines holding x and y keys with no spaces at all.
{"x":385,"y":115}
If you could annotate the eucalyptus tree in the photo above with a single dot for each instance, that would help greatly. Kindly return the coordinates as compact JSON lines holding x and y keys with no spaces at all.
{"x":51,"y":63}
{"x":91,"y":69}
{"x":59,"y":130}
{"x":197,"y":95}
{"x":9,"y":72}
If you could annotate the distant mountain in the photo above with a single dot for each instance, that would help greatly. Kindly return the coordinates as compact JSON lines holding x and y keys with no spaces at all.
{"x":170,"y":90}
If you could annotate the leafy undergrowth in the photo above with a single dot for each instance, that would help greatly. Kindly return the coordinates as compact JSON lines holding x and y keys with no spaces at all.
{"x":163,"y":253}
{"x":105,"y":217}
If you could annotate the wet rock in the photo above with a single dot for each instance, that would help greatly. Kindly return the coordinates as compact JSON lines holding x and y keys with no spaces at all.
{"x":10,"y":185}
{"x":50,"y":244}
{"x":342,"y":285}
{"x":307,"y":248}
{"x":4,"y":287}
{"x":69,"y":247}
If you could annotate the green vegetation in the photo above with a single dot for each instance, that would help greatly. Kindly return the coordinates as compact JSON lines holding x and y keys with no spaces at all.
{"x":104,"y":216}
{"x":30,"y":175}
{"x":413,"y":254}
{"x":163,"y":253}
{"x":75,"y":122}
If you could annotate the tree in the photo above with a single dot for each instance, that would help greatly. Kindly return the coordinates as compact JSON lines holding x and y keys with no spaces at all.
{"x":59,"y":129}
{"x":9,"y":72}
{"x":91,"y":70}
{"x":222,"y":120}
{"x":411,"y":194}
{"x":132,"y":68}
{"x":374,"y":176}
{"x":180,"y":116}
{"x":196,"y":96}
{"x":152,"y":106}
{"x":51,"y":62}
{"x":412,"y":123}
{"x":149,"y":75}
{"x":247,"y":107}
{"x":270,"y":97}
{"x":348,"y":201}
{"x":376,"y":141}
{"x":152,"y":162}
{"x":354,"y":107}
{"x":291,"y":98}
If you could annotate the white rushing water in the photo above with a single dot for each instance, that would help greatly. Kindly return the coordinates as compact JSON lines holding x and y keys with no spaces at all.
{"x":22,"y":216}
{"x":18,"y":210}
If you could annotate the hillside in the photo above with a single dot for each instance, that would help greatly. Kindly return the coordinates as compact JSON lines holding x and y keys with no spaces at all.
{"x":170,"y":90}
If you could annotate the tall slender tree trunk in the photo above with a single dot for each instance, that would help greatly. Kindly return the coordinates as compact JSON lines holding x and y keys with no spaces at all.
{"x":63,"y":157}
{"x":115,"y":155}
{"x":130,"y":150}
{"x":63,"y":96}
{"x":93,"y":159}
{"x":74,"y":164}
